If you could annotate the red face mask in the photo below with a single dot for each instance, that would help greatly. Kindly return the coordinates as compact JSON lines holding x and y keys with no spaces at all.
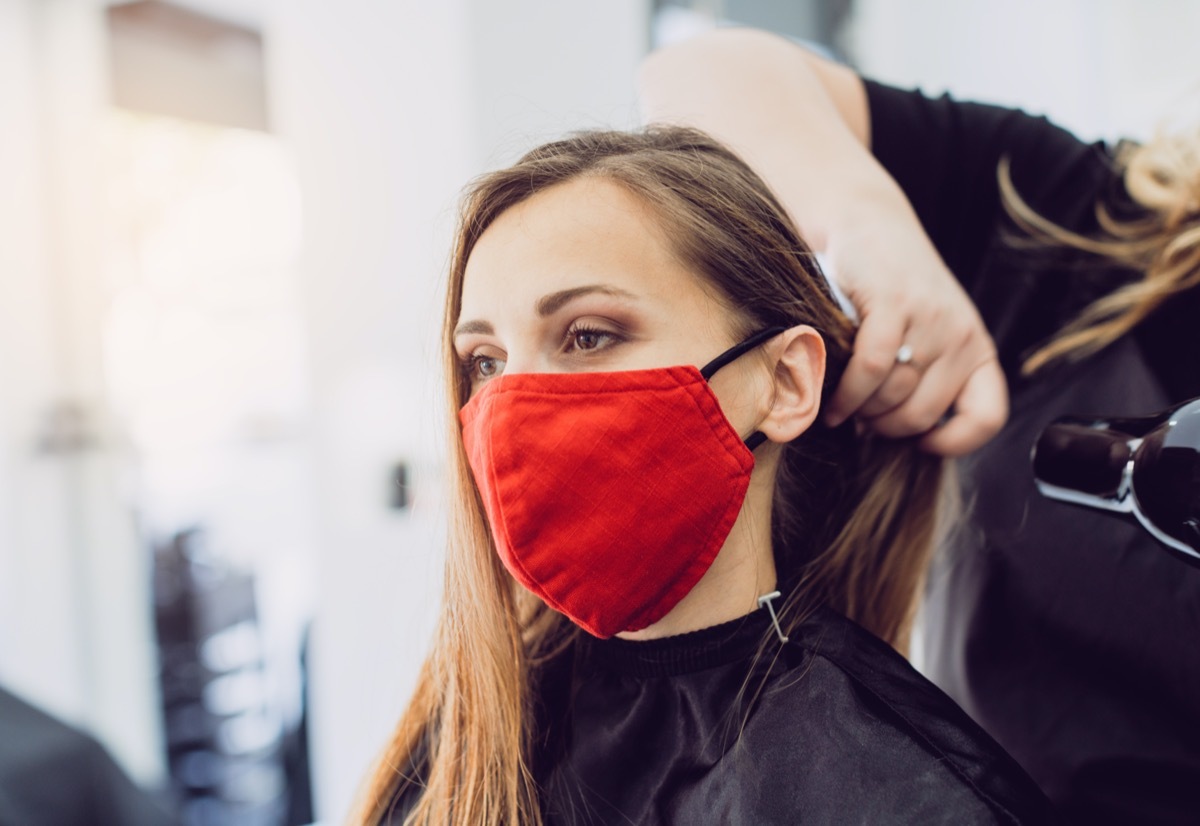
{"x":609,"y":494}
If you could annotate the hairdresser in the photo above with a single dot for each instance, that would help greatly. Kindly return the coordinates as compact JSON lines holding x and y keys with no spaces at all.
{"x":995,"y":260}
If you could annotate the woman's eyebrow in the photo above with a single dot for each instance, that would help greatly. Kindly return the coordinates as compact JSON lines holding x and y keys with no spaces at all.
{"x":549,"y":304}
{"x":473,"y":327}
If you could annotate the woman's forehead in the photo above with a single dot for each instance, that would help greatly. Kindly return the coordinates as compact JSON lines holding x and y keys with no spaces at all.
{"x":582,"y":233}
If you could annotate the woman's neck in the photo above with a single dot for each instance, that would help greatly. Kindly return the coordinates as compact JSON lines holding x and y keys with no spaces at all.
{"x":743,"y":570}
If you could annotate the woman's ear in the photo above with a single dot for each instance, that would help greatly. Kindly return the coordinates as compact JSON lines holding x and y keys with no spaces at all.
{"x":798,"y":355}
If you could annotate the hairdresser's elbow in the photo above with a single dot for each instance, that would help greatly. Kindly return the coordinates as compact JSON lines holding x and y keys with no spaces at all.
{"x":682,"y":76}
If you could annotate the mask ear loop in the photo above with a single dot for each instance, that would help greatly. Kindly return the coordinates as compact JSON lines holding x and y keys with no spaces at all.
{"x":736,"y":351}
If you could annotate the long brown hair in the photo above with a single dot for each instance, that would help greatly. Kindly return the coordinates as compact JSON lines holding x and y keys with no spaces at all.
{"x":852,"y":518}
{"x":1162,"y":243}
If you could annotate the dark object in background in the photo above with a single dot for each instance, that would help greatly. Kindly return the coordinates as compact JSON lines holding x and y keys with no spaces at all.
{"x":1148,"y":468}
{"x":223,"y":736}
{"x":54,"y":775}
{"x":399,"y":492}
{"x":295,"y":752}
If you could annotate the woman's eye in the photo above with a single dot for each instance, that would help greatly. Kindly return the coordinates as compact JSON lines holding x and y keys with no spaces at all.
{"x":583,"y":340}
{"x":587,"y":340}
{"x":479,"y":367}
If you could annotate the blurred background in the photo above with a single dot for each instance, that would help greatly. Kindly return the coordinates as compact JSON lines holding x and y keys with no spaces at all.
{"x":223,"y":231}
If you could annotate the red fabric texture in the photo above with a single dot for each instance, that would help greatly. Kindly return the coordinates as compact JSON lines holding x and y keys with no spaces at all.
{"x":608,"y":494}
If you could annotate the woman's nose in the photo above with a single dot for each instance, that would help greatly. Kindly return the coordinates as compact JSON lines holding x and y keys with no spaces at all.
{"x":531,"y":361}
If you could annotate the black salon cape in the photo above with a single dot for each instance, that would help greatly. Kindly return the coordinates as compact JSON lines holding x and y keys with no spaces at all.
{"x":686,"y":730}
{"x":1069,"y":634}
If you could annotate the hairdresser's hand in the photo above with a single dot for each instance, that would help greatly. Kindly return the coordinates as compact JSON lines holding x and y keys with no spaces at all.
{"x":952,"y":389}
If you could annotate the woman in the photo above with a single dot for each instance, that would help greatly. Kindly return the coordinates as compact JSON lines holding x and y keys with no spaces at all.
{"x":1066,"y":633}
{"x":652,"y":564}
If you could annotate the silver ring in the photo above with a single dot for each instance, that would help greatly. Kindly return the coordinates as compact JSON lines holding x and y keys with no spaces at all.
{"x":904,"y":355}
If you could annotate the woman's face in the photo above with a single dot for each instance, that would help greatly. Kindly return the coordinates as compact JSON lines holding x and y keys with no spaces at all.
{"x":579,"y":277}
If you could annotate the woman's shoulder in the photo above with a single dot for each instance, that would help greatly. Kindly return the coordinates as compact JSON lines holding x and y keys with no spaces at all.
{"x":883,"y":725}
{"x":713,"y":727}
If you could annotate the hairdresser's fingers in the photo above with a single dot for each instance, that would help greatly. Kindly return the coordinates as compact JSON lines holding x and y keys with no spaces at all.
{"x":925,"y":407}
{"x":947,"y":345}
{"x":981,"y":407}
{"x":979,"y":413}
{"x":879,"y":338}
{"x":901,"y":382}
{"x":934,"y":335}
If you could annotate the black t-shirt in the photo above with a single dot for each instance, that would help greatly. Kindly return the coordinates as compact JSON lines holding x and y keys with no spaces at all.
{"x":1069,"y":634}
{"x":832,"y":727}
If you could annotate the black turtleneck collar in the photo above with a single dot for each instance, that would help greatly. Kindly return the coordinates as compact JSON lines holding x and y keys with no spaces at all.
{"x":729,"y":642}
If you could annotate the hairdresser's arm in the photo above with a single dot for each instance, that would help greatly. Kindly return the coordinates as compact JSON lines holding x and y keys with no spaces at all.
{"x":803,"y":124}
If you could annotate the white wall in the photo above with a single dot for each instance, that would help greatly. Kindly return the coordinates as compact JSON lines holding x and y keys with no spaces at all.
{"x":540,"y":68}
{"x":391,"y":108}
{"x":75,"y":624}
{"x":1103,"y":68}
{"x":39,"y":626}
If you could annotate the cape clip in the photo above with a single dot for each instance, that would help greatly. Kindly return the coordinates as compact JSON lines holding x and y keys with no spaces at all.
{"x":766,"y":600}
